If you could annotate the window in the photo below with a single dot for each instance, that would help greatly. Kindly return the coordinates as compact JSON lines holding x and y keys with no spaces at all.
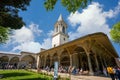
{"x":63,"y":29}
{"x":57,"y":29}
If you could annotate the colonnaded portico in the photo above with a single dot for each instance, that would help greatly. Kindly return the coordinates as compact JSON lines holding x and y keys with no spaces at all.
{"x":92,"y":52}
{"x":21,"y":60}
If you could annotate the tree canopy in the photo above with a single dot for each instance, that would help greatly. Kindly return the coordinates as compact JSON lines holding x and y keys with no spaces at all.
{"x":115,"y":33}
{"x":9,"y":17}
{"x":3,"y":34}
{"x":9,"y":9}
{"x":70,"y":5}
{"x":9,"y":13}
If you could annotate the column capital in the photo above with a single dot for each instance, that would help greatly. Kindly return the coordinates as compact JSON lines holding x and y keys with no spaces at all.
{"x":88,"y":44}
{"x":88,"y":51}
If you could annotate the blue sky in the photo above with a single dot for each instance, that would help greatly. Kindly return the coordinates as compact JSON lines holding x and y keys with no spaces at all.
{"x":98,"y":16}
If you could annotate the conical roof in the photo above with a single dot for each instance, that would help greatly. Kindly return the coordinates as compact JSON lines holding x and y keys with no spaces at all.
{"x":60,"y":18}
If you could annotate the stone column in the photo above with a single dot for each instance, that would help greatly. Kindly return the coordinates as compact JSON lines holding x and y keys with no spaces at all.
{"x":80,"y":63}
{"x":59,"y":60}
{"x":101,"y":61}
{"x":8,"y":62}
{"x":45,"y":62}
{"x":70,"y":60}
{"x":105,"y":62}
{"x":96,"y":60}
{"x":87,"y":45}
{"x":77,"y":60}
{"x":38,"y":62}
{"x":51,"y":61}
{"x":18,"y":66}
{"x":90,"y":65}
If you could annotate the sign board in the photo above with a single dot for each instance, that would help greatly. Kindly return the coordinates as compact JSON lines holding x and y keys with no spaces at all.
{"x":55,"y":69}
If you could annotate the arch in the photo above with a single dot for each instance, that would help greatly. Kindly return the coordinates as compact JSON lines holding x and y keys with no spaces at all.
{"x":65,"y":59}
{"x":48,"y":60}
{"x":4,"y":59}
{"x":80,"y":58}
{"x":55,"y":57}
{"x":79,"y":50}
{"x":28,"y":58}
{"x":14,"y":60}
{"x":27,"y":61}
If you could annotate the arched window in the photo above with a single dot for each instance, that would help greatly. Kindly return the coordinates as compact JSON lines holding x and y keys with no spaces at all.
{"x":63,"y":29}
{"x":57,"y":29}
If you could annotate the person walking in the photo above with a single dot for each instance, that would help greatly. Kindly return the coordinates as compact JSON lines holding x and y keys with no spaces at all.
{"x":111,"y":72}
{"x":105,"y":72}
{"x":117,"y":73}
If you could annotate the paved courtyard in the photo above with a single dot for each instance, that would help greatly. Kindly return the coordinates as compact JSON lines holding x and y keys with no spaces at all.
{"x":80,"y":77}
{"x":84,"y":77}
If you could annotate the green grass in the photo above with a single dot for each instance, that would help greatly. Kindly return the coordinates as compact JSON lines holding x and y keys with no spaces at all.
{"x":22,"y":75}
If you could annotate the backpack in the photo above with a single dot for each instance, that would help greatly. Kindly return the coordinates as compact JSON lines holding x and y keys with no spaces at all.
{"x":110,"y":70}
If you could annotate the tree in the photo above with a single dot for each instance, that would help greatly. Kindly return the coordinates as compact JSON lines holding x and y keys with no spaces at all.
{"x":9,"y":12}
{"x":71,"y":5}
{"x":3,"y":34}
{"x":115,"y":33}
{"x":9,"y":17}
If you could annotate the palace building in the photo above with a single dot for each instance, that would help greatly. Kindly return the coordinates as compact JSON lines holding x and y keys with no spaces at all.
{"x":92,"y":52}
{"x":22,"y":60}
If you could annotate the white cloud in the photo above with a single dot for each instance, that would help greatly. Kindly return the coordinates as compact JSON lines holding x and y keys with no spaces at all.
{"x":92,"y":19}
{"x":22,"y":35}
{"x":47,"y":43}
{"x":28,"y":47}
{"x":35,"y":29}
{"x":24,"y":38}
{"x":49,"y":34}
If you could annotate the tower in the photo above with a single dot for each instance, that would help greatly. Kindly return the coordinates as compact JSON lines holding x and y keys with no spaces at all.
{"x":60,"y":35}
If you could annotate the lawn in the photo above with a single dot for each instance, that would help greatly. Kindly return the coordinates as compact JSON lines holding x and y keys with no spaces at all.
{"x":22,"y":75}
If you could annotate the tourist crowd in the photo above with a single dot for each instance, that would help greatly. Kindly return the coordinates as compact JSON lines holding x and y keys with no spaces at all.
{"x":113,"y":72}
{"x":64,"y":69}
{"x":8,"y":66}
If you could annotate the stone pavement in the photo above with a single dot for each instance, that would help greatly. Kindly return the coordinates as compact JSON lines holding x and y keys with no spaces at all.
{"x":79,"y":77}
{"x":84,"y":77}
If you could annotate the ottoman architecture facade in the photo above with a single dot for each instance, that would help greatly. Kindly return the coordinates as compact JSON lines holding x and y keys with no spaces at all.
{"x":92,"y":52}
{"x":22,"y":60}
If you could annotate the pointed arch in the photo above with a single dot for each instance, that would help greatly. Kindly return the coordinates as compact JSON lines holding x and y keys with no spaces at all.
{"x":48,"y":60}
{"x":4,"y":59}
{"x":28,"y":61}
{"x":65,"y":58}
{"x":14,"y":60}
